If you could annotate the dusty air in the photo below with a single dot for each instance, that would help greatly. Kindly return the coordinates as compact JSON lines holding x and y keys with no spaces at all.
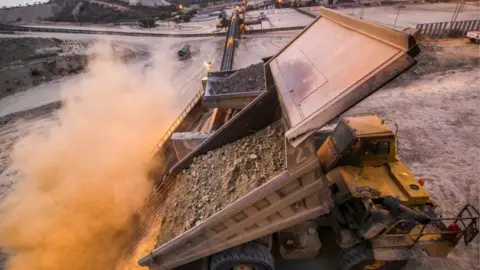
{"x":239,"y":135}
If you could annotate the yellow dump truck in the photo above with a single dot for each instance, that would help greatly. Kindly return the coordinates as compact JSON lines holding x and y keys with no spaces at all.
{"x":347,"y":177}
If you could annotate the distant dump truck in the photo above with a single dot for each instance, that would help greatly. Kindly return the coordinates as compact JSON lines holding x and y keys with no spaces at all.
{"x":262,"y":16}
{"x":348,"y":178}
{"x":147,"y":23}
{"x":184,"y":52}
{"x":474,"y":36}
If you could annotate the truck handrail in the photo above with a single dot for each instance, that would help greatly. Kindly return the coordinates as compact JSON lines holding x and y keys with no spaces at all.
{"x":180,"y":118}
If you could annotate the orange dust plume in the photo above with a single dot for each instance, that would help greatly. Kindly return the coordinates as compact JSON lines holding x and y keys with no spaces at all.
{"x":86,"y":177}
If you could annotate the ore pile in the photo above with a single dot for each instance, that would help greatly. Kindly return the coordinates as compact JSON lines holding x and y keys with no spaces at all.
{"x":220,"y":177}
{"x":249,"y":79}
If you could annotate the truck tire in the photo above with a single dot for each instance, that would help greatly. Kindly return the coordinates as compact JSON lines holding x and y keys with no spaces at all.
{"x":360,"y":256}
{"x":356,"y":257}
{"x":251,"y":255}
{"x":396,"y":265}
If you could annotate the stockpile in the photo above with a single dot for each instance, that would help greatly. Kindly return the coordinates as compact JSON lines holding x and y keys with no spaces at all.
{"x":220,"y":177}
{"x":249,"y":79}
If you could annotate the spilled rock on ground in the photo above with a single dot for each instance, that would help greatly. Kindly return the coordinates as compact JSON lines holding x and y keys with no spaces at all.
{"x":220,"y":177}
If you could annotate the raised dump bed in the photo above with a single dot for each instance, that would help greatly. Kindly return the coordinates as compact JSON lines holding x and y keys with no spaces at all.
{"x":316,"y":77}
{"x":332,"y":65}
{"x":234,"y":89}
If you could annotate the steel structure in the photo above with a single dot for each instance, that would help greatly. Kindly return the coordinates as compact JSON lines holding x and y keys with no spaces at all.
{"x":229,"y":49}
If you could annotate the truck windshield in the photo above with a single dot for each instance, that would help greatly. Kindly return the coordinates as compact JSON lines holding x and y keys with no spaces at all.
{"x":377,"y":148}
{"x":341,"y":137}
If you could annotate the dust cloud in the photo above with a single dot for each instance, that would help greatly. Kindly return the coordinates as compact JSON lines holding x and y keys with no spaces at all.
{"x":86,"y":177}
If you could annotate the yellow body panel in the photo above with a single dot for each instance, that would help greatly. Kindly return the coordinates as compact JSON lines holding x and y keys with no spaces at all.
{"x":407,"y":183}
{"x":438,"y":249}
{"x":364,"y":169}
{"x":383,"y":181}
{"x":367,"y":125}
{"x":327,"y":153}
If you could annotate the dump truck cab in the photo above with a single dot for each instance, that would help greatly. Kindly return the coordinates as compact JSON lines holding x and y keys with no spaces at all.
{"x":361,"y":152}
{"x":358,"y":141}
{"x":377,"y":204}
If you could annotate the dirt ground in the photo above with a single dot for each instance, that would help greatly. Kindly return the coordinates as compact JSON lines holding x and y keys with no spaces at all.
{"x":252,"y":48}
{"x":25,"y":62}
{"x":284,"y":17}
{"x":437,"y":108}
{"x":12,"y":128}
{"x":21,"y":49}
{"x":186,"y":74}
{"x":220,"y":177}
{"x":409,"y":15}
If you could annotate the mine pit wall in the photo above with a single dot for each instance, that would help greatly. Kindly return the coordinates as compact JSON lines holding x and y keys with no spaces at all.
{"x":30,"y":114}
{"x":17,"y":78}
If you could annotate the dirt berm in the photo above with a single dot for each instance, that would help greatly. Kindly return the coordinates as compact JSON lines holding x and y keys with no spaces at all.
{"x":25,"y":62}
{"x":220,"y":177}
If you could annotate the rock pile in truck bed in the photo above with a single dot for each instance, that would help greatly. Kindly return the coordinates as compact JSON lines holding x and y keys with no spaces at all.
{"x":220,"y":177}
{"x":249,"y":79}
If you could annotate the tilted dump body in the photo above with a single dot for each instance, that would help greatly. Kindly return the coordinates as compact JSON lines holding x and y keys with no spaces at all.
{"x":332,"y":65}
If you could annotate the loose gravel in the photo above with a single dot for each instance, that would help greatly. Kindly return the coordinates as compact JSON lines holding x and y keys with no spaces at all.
{"x":220,"y":177}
